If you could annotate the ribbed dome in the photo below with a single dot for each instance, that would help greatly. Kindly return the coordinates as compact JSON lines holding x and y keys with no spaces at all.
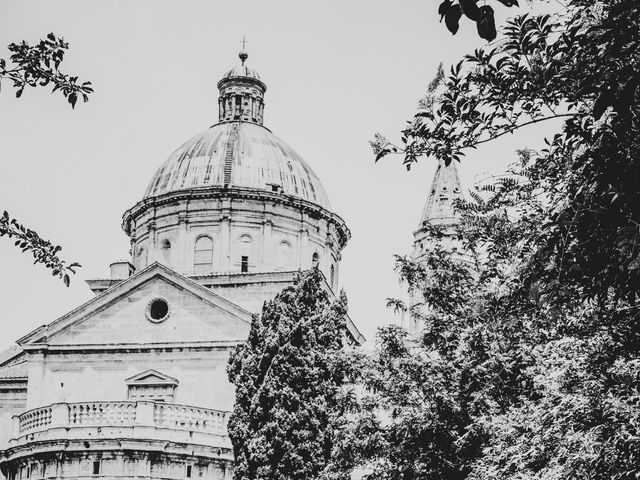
{"x":238,"y":154}
{"x":242,"y":71}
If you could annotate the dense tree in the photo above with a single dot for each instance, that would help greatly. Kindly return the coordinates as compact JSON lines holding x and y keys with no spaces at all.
{"x":289,"y":376}
{"x":39,"y":66}
{"x":529,"y":363}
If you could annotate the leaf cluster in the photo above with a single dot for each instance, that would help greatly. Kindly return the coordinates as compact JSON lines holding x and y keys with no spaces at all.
{"x":39,"y":65}
{"x":482,"y":15}
{"x":42,"y":250}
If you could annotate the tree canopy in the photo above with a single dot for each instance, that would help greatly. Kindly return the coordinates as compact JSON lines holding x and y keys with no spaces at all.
{"x":529,"y":362}
{"x":288,"y":377}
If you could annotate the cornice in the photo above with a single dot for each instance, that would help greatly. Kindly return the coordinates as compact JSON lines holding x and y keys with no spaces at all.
{"x":236,"y":193}
{"x":131,"y":446}
{"x":131,"y":347}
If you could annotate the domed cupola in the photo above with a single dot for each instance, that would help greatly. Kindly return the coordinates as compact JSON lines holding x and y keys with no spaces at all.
{"x":235,"y":198}
{"x":241,"y":94}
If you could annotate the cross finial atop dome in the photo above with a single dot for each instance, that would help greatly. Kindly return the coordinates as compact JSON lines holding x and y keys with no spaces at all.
{"x":243,"y":53}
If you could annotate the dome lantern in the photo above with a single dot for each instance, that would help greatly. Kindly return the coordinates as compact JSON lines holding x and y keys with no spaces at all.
{"x":241,"y":94}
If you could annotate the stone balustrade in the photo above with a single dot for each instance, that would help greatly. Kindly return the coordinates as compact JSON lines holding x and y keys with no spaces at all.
{"x":121,"y":420}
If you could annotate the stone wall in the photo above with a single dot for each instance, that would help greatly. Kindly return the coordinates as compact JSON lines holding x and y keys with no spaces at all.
{"x":119,"y":464}
{"x":101,"y":376}
{"x":274,"y":237}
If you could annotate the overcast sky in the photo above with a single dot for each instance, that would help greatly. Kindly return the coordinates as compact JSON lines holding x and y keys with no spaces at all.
{"x":336,"y":72}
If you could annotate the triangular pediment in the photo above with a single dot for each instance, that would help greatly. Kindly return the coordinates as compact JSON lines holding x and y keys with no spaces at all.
{"x":156,"y":306}
{"x":151,"y":377}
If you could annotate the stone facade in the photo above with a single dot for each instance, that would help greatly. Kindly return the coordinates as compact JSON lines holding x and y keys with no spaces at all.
{"x":133,"y":383}
{"x":273,"y":233}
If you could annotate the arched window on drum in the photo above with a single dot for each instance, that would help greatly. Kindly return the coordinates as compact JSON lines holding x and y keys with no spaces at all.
{"x":203,"y":255}
{"x":285,"y":256}
{"x":315,"y":260}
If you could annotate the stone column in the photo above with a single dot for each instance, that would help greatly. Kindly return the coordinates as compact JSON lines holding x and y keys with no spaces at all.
{"x":152,"y":251}
{"x":15,"y":426}
{"x":266,"y":261}
{"x":118,"y":467}
{"x":182,"y":248}
{"x":225,"y":238}
{"x":59,"y":415}
{"x":303,"y":244}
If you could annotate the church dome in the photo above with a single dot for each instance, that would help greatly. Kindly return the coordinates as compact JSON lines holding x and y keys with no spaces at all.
{"x":236,"y":199}
{"x":242,"y":71}
{"x":238,"y":155}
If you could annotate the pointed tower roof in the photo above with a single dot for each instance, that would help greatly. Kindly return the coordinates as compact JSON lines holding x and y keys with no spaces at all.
{"x":445,"y":189}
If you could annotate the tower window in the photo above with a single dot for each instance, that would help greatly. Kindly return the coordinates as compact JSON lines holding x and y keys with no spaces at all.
{"x":244,"y":264}
{"x":96,"y":467}
{"x":333,"y":276}
{"x":188,"y":471}
{"x":203,"y":255}
{"x":315,"y":259}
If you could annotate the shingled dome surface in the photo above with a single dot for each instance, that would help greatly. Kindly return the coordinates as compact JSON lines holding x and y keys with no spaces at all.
{"x":238,"y":154}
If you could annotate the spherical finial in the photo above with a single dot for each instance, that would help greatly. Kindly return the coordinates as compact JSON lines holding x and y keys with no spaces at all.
{"x":243,"y":55}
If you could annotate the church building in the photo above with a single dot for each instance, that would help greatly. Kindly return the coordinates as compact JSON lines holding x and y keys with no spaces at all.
{"x":438,"y":212}
{"x":133,"y":384}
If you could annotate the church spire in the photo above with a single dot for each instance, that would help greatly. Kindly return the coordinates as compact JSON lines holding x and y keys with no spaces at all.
{"x":445,"y":190}
{"x":439,"y":209}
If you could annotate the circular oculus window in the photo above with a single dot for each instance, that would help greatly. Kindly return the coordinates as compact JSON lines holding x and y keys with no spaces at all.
{"x":158,"y":310}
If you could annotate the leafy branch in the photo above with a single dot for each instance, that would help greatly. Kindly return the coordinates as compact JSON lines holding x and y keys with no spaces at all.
{"x":494,"y":92}
{"x":43,"y":251}
{"x":39,"y":66}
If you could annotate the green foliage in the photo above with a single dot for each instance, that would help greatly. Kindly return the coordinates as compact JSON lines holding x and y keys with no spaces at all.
{"x":583,"y":67}
{"x":38,"y":66}
{"x":289,"y":376}
{"x":42,"y":250}
{"x":528,"y":366}
{"x":452,"y":12}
